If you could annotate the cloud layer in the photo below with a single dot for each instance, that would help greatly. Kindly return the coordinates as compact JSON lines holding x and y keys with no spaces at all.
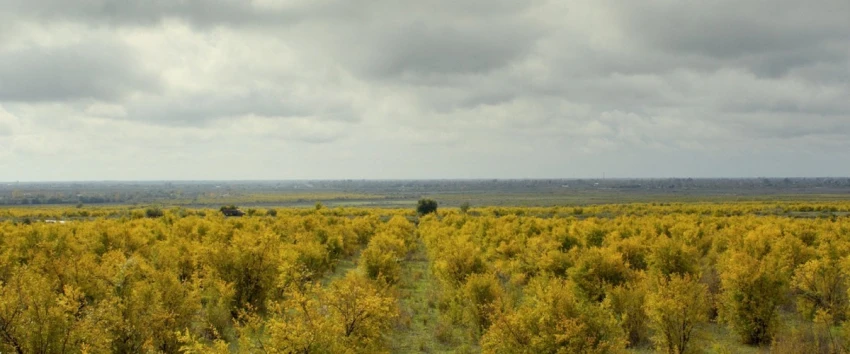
{"x":335,"y":89}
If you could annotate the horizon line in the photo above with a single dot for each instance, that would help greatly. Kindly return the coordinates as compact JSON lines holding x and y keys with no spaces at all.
{"x":417,"y":179}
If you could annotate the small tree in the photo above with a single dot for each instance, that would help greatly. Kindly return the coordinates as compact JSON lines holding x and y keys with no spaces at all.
{"x":231,"y":210}
{"x":464,"y":207}
{"x":426,"y":206}
{"x":676,"y":307}
{"x":381,"y":258}
{"x":752,"y":293}
{"x":821,"y":284}
{"x":551,"y":319}
{"x":153,"y":212}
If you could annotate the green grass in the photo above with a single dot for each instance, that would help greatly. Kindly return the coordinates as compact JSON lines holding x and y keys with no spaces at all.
{"x":418,"y":327}
{"x":343,"y":266}
{"x":712,"y":339}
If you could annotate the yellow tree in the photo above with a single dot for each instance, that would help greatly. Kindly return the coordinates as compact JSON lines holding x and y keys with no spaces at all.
{"x":752,"y":291}
{"x":361,"y":311}
{"x":34,"y":318}
{"x":821,"y":284}
{"x":300,"y":324}
{"x":553,"y":320}
{"x":675,"y":308}
{"x":382,"y":257}
{"x":350,"y":316}
{"x":597,"y":271}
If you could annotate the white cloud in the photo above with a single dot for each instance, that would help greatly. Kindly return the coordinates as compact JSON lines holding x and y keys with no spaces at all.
{"x":388,"y":89}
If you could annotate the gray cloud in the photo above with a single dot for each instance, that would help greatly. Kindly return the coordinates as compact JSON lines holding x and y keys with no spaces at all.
{"x":143,"y":13}
{"x":203,"y":108}
{"x":467,"y":88}
{"x":8,"y":123}
{"x":422,"y":49}
{"x":768,"y":37}
{"x":105,"y":71}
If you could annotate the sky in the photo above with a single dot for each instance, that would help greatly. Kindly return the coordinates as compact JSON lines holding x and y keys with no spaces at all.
{"x":400,"y":89}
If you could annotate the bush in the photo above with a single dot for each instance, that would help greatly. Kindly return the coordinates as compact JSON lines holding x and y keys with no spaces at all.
{"x":752,"y":294}
{"x":821,"y":285}
{"x":153,"y":212}
{"x":598,"y":270}
{"x":552,"y":320}
{"x":627,"y":303}
{"x":675,"y":309}
{"x":481,"y":293}
{"x":426,"y":206}
{"x":381,"y":258}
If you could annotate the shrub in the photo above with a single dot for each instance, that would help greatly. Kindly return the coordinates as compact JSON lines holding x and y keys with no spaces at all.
{"x":553,"y":320}
{"x":676,"y":307}
{"x":752,"y":293}
{"x":381,"y":258}
{"x":597,"y":271}
{"x":153,"y":212}
{"x":426,"y":206}
{"x":821,"y":285}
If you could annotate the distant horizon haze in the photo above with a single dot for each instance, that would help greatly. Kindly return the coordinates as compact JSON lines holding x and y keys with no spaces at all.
{"x":428,"y":179}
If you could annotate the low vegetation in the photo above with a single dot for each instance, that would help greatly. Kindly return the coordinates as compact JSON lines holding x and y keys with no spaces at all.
{"x":671,"y":278}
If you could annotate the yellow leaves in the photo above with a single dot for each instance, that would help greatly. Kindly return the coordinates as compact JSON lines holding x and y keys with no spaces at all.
{"x":34,"y":317}
{"x":482,"y":296}
{"x":351,"y":315}
{"x":362,"y":307}
{"x":822,"y":286}
{"x":553,"y":320}
{"x":71,"y":300}
{"x":136,"y":283}
{"x":530,"y":279}
{"x":382,"y":257}
{"x":752,"y":293}
{"x":673,"y":256}
{"x":457,"y":259}
{"x":400,"y":227}
{"x":628,"y":302}
{"x":676,"y":306}
{"x":597,"y":270}
{"x":191,"y":344}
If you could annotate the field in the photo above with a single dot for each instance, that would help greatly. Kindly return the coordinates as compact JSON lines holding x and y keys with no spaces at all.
{"x":394,"y":193}
{"x":714,"y":274}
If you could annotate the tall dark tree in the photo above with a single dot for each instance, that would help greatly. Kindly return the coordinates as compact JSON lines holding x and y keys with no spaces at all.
{"x":426,"y":206}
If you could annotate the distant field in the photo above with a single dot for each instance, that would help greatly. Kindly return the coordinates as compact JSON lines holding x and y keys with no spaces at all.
{"x":544,"y":192}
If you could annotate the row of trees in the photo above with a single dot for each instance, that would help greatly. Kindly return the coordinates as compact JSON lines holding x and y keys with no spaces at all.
{"x":509,"y":280}
{"x":530,"y":284}
{"x":194,"y":284}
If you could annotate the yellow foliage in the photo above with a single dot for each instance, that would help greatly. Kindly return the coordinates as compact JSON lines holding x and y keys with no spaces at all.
{"x":553,"y":320}
{"x":675,"y":308}
{"x":510,"y":279}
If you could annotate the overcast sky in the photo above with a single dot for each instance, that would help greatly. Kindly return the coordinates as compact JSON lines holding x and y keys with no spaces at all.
{"x":338,"y":89}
